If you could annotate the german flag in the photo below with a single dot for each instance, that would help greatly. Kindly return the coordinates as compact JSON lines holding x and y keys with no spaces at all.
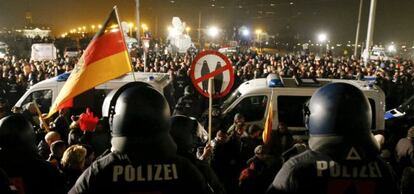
{"x":267,"y":131}
{"x":105,"y":58}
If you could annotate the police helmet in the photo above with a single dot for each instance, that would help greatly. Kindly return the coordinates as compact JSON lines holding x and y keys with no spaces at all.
{"x":16,"y":133}
{"x":338,"y":116}
{"x":138,"y":115}
{"x":136,"y":110}
{"x":187,"y":133}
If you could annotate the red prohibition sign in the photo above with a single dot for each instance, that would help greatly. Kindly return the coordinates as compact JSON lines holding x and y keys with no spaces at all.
{"x":227,"y":80}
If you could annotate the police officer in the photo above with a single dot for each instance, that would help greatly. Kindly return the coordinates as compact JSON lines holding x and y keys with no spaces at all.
{"x":343,"y":155}
{"x":143,"y":155}
{"x":189,"y":135}
{"x":18,"y":158}
{"x":189,"y":104}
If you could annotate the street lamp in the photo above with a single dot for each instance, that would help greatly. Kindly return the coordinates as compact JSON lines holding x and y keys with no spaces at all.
{"x":188,"y":29}
{"x":245,"y":32}
{"x":93,"y":28}
{"x":258,"y":33}
{"x":144,"y":28}
{"x":392,"y":48}
{"x":131,"y":27}
{"x":322,"y":37}
{"x":213,"y":31}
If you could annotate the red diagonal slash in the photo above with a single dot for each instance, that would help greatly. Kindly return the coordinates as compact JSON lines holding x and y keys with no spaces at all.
{"x":212,"y":74}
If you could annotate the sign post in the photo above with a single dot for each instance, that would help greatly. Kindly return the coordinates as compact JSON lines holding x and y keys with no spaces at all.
{"x":212,"y":75}
{"x":210,"y":106}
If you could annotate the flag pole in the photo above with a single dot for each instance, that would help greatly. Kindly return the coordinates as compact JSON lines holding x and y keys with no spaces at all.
{"x":123,"y":37}
{"x":39,"y":113}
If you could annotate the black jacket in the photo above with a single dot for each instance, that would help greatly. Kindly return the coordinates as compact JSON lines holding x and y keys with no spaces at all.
{"x":30,"y":175}
{"x":120,"y":173}
{"x":314,"y":172}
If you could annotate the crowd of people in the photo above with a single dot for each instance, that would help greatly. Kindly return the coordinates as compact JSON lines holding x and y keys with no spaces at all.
{"x":78,"y":159}
{"x":394,"y":77}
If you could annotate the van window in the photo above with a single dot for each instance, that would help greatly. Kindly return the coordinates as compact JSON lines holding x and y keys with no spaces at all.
{"x":290,"y":110}
{"x":229,"y":101}
{"x":253,"y":108}
{"x":42,"y":97}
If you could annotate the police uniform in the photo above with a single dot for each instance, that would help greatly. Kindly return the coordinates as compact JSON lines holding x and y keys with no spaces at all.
{"x":143,"y":155}
{"x":189,"y":104}
{"x":314,"y":172}
{"x":29,"y":175}
{"x":18,"y":158}
{"x":117,"y":173}
{"x":344,"y":155}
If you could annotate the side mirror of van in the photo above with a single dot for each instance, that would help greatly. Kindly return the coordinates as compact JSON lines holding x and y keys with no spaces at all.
{"x":16,"y":109}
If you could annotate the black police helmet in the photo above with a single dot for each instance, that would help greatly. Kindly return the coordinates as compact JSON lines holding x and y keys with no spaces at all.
{"x":186,"y":133}
{"x":16,"y":133}
{"x":136,"y":110}
{"x":339,"y":114}
{"x":339,"y":109}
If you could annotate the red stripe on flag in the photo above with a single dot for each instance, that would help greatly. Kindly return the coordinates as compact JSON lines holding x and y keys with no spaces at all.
{"x":67,"y":104}
{"x":104,"y":46}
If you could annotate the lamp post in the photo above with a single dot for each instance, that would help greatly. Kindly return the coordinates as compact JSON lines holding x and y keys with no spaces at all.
{"x":213,"y":31}
{"x":131,"y":28}
{"x":258,"y":33}
{"x":322,"y":37}
{"x":144,"y":28}
{"x":188,"y":29}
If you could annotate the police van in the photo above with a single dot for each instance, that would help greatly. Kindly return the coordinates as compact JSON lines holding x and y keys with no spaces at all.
{"x":46,"y":91}
{"x":252,"y":99}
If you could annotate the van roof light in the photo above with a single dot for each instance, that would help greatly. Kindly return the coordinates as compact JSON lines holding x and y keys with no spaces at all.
{"x":63,"y":77}
{"x":307,"y":82}
{"x":274,"y":80}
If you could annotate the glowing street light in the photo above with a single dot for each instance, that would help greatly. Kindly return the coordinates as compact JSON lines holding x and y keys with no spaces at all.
{"x":245,"y":32}
{"x":392,"y":48}
{"x":187,"y":29}
{"x":258,"y":33}
{"x":213,"y":31}
{"x":93,"y":27}
{"x":322,"y":37}
{"x":99,"y":26}
{"x":144,"y":27}
{"x":131,"y":28}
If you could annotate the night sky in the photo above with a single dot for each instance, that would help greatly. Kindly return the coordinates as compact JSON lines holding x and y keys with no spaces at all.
{"x":300,"y":18}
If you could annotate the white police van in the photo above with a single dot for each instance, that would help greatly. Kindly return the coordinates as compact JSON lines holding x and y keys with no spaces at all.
{"x":289,"y":95}
{"x":46,"y":91}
